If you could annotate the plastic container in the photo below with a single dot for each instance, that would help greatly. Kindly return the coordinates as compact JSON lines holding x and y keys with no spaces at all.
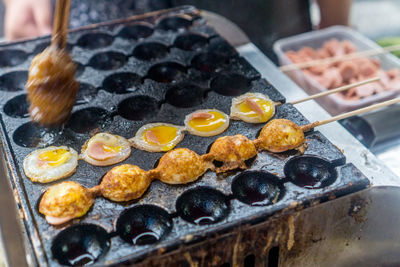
{"x":334,"y":104}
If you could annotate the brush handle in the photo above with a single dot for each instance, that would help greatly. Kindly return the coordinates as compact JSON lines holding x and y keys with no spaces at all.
{"x":307,"y":127}
{"x":60,"y":24}
{"x":337,"y":90}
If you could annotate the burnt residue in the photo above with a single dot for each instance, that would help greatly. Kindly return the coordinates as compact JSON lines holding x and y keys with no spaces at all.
{"x":120,"y":92}
{"x":358,"y":209}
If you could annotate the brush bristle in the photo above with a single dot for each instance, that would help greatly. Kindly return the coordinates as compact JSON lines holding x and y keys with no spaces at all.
{"x":51,"y":87}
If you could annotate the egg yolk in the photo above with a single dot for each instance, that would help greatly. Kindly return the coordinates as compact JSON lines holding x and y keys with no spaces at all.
{"x":111,"y":149}
{"x":163,"y":135}
{"x":208,"y":124}
{"x":265,"y":105}
{"x":54,"y":157}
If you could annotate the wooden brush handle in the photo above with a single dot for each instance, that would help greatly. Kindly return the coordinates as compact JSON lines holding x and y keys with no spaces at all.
{"x":60,"y":24}
{"x":307,"y":127}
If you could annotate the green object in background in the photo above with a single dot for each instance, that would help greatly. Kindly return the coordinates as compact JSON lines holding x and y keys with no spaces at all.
{"x":388,"y":41}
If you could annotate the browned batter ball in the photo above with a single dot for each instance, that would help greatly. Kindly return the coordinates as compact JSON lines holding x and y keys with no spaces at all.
{"x":280,"y":135}
{"x":124,"y":183}
{"x":232,"y":151}
{"x":65,"y":201}
{"x":181,"y":166}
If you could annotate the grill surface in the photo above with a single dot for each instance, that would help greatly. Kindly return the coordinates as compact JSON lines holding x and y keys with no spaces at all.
{"x":134,"y":72}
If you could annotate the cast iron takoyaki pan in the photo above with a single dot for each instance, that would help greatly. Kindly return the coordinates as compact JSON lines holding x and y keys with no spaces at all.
{"x":157,"y":68}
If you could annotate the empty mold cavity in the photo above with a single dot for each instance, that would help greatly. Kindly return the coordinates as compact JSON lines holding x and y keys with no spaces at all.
{"x":257,"y":188}
{"x":174,"y":23}
{"x":108,"y":61}
{"x":86,"y":120}
{"x":136,"y":31}
{"x":209,"y":62}
{"x":203,"y":205}
{"x":34,"y":136}
{"x":122,"y":83}
{"x":138,"y":107}
{"x":94,"y":40}
{"x":191,"y":41}
{"x":184,"y":95}
{"x":150,"y":51}
{"x":13,"y":81}
{"x":79,"y":69}
{"x":145,"y":224}
{"x":81,"y":244}
{"x":12,"y":57}
{"x":166,"y":72}
{"x":310,"y":172}
{"x":17,"y":107}
{"x":86,"y":93}
{"x":40,"y":47}
{"x":230,"y":84}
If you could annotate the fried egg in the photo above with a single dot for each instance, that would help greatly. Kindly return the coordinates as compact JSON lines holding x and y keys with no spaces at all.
{"x":252,"y":108}
{"x":50,"y":164}
{"x":181,"y":166}
{"x":280,"y":135}
{"x":105,"y":149}
{"x":206,"y":122}
{"x":232,"y":151}
{"x":65,"y":201}
{"x":158,"y":137}
{"x":124,"y":183}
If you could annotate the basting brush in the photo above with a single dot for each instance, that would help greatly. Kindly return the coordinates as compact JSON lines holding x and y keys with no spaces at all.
{"x":51,"y":84}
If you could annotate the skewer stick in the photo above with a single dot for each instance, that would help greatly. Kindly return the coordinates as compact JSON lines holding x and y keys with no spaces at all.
{"x":330,"y":60}
{"x":60,"y":25}
{"x":336,"y":90}
{"x":309,"y":126}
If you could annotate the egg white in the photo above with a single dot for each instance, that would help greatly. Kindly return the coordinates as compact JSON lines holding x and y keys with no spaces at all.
{"x":46,"y":174}
{"x":218,"y":131}
{"x":111,"y":140}
{"x":140,"y":143}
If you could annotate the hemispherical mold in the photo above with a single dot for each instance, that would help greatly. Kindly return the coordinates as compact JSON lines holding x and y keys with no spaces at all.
{"x":209,"y":62}
{"x":310,"y":172}
{"x":86,"y":93}
{"x":167,"y":72}
{"x":13,"y":81}
{"x":108,"y":60}
{"x":79,"y":69}
{"x":144,"y":224}
{"x":191,"y":41}
{"x":94,"y":40}
{"x":34,"y":136}
{"x":88,"y":119}
{"x":136,"y":31}
{"x":174,"y":23}
{"x":12,"y":57}
{"x":81,"y":244}
{"x":17,"y":107}
{"x":184,"y":95}
{"x":40,"y":47}
{"x":203,"y":205}
{"x":43,"y":45}
{"x":138,"y":107}
{"x":121,"y":83}
{"x":230,"y":84}
{"x":150,"y":51}
{"x":257,"y":188}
